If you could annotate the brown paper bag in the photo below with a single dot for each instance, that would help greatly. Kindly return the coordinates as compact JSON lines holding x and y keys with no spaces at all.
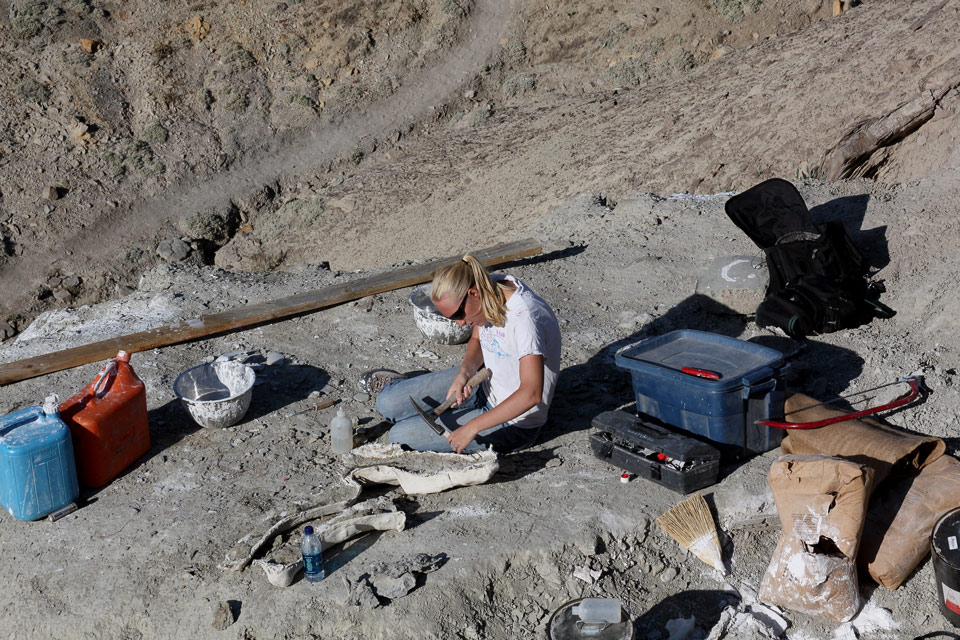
{"x":821,"y":502}
{"x":884,"y":448}
{"x":902,"y":514}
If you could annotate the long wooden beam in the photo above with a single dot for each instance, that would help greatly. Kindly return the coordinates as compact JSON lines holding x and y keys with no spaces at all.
{"x":248,"y":316}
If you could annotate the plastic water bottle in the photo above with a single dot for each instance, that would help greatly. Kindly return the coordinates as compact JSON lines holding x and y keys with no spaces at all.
{"x":341,"y":433}
{"x":596,"y":614}
{"x":313,"y":569}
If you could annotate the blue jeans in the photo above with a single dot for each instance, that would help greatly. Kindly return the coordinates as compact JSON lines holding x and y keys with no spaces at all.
{"x":430,"y":390}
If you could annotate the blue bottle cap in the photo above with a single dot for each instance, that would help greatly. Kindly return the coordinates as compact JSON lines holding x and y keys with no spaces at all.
{"x":308,"y":530}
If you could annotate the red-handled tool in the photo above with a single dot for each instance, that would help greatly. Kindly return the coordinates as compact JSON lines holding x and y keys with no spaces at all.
{"x":906,"y":398}
{"x":700,"y":373}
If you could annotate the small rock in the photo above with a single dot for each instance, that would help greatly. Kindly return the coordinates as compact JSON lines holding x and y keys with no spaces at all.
{"x":274,"y":358}
{"x":423,"y":353}
{"x":7,"y":330}
{"x":668,"y":575}
{"x":223,"y":616}
{"x":71,"y":282}
{"x":361,"y":397}
{"x":198,"y":28}
{"x":173,"y":250}
{"x":470,"y":94}
{"x":586,"y":574}
{"x":62,"y":295}
{"x":90,"y":46}
{"x":391,"y":587}
{"x":589,"y":544}
{"x":360,"y":594}
{"x":51,"y":193}
{"x":315,"y":394}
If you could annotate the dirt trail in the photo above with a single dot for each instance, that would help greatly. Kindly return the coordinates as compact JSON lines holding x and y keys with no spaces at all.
{"x":96,"y":246}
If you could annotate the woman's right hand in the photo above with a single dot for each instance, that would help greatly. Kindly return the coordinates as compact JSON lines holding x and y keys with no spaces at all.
{"x":459,"y":389}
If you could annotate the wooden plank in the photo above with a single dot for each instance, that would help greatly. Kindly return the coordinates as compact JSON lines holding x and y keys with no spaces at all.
{"x":252,"y":315}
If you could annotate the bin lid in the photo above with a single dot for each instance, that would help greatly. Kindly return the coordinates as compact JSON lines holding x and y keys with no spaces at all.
{"x":945,"y":538}
{"x":728,"y":357}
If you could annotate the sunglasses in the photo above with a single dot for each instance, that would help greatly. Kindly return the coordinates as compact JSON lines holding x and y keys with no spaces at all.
{"x":461,"y":311}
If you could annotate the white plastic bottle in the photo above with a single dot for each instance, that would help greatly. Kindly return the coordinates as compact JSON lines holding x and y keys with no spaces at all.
{"x":341,"y":433}
{"x":313,"y":569}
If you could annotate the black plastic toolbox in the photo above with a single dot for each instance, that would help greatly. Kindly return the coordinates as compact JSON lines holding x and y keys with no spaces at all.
{"x":649,"y":449}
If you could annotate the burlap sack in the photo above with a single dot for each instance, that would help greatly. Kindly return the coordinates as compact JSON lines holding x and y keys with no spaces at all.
{"x":902,"y":514}
{"x":883,"y":448}
{"x":821,"y":502}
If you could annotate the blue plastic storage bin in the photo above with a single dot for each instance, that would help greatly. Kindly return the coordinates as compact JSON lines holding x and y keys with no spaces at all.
{"x":38,"y":474}
{"x":749,"y":386}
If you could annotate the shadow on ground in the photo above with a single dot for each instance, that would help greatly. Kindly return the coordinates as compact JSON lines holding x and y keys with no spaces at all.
{"x":703,"y":605}
{"x":598,"y":385}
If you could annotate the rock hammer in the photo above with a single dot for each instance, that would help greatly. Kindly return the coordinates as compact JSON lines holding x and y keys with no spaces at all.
{"x":430,"y":417}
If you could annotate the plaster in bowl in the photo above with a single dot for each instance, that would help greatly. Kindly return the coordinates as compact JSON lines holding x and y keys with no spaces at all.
{"x":217,"y":394}
{"x":431,"y":323}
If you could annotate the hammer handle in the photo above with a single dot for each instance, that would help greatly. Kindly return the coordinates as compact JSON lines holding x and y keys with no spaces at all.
{"x":477,"y":378}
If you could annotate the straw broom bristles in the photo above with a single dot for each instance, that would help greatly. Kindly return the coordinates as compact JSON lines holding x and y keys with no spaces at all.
{"x":691,"y":524}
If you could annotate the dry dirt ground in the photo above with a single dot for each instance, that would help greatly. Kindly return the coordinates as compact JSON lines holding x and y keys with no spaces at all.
{"x":446,"y":126}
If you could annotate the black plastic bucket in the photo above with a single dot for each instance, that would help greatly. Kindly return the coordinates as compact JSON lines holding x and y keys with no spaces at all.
{"x":945,"y":549}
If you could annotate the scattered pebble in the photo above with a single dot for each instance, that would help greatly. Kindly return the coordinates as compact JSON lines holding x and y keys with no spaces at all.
{"x":173,"y":250}
{"x":361,"y":397}
{"x":7,"y":330}
{"x":669,"y":574}
{"x":423,"y":353}
{"x":62,"y":295}
{"x":275,"y":358}
{"x":89,"y":46}
{"x":586,"y":574}
{"x":223,"y":616}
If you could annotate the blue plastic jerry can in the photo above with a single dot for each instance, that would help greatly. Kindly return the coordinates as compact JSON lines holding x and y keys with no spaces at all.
{"x":38,"y":474}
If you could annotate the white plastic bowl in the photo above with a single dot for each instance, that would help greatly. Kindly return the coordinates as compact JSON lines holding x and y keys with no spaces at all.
{"x":216,"y":395}
{"x":432,"y":324}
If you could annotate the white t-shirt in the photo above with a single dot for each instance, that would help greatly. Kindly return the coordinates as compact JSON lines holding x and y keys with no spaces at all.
{"x":531,"y":328}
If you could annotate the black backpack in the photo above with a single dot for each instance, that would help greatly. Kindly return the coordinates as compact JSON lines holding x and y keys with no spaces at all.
{"x":818,"y":278}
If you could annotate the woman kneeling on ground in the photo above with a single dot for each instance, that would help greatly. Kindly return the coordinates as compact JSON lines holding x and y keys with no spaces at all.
{"x":515,"y":335}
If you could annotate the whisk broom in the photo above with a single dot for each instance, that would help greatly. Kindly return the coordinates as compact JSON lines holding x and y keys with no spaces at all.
{"x":691,"y":524}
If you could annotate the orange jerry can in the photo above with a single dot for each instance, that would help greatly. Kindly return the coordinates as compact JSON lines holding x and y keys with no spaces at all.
{"x":108,"y":422}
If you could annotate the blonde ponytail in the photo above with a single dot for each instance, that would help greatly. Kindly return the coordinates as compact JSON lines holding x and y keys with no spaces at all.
{"x":456,"y":279}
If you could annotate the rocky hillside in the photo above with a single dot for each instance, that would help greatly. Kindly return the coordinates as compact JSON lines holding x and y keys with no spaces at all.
{"x":255,"y":135}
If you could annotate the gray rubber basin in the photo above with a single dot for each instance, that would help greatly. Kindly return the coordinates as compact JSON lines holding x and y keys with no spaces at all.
{"x":432,"y":324}
{"x":217,"y":394}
